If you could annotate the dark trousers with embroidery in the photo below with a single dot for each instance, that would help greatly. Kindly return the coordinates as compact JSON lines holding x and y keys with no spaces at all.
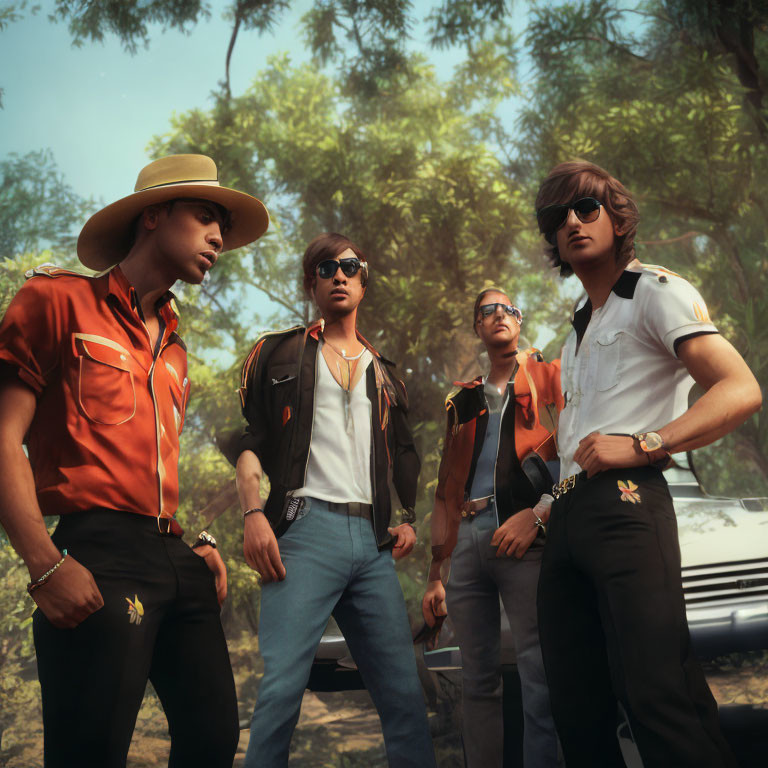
{"x":613,"y":627}
{"x":93,"y":677}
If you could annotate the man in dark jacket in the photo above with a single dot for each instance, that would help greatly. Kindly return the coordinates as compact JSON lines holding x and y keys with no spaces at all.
{"x":327,"y":423}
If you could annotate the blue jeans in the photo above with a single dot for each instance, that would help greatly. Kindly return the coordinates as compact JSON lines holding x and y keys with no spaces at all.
{"x":476,"y":580}
{"x":333,"y":567}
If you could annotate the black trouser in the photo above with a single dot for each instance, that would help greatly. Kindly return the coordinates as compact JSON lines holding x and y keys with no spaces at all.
{"x":93,"y":677}
{"x":613,"y":626}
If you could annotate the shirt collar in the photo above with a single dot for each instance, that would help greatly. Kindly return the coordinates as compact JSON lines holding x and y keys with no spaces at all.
{"x":624,"y":288}
{"x":117,"y":285}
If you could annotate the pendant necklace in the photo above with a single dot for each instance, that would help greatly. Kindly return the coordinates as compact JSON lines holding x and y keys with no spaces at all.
{"x":346,"y":382}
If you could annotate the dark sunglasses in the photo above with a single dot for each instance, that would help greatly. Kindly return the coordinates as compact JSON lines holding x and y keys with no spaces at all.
{"x":350,"y":267}
{"x":486,"y":310}
{"x":552,"y":217}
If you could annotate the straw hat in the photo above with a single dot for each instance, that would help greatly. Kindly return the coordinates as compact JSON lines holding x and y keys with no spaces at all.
{"x":107,"y":236}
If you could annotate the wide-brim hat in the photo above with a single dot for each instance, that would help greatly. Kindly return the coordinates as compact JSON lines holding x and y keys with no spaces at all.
{"x":108,"y":235}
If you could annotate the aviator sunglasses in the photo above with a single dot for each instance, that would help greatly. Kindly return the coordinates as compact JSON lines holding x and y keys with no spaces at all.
{"x":486,"y":310}
{"x":552,"y":217}
{"x":350,"y":267}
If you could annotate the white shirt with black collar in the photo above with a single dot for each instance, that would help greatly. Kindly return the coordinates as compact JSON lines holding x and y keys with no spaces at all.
{"x":620,"y":370}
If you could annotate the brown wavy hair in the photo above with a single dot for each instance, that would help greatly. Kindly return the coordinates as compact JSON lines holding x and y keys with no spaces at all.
{"x":572,"y":180}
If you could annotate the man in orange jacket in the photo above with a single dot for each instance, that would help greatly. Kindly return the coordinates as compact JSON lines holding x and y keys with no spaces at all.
{"x":491,"y":506}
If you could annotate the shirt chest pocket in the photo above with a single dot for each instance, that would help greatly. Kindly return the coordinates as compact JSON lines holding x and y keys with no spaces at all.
{"x":608,"y":345}
{"x":105,"y":379}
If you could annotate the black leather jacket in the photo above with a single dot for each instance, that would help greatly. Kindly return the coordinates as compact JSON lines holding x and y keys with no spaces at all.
{"x":277,"y":396}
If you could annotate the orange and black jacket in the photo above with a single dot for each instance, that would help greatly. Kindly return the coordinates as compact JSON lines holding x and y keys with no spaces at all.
{"x":528,"y":424}
{"x":277,"y":396}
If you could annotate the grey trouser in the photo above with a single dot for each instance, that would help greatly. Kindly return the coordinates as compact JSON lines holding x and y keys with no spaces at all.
{"x":476,"y":580}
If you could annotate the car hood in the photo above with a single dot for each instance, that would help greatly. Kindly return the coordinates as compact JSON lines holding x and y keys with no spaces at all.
{"x":715,"y":530}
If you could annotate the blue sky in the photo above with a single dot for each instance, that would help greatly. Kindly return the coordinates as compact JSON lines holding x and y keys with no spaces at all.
{"x":96,"y":107}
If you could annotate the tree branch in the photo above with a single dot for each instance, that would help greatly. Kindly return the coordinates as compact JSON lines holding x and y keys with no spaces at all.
{"x":611,"y":44}
{"x":279,"y":300}
{"x":231,"y":47}
{"x":225,"y":497}
{"x":680,"y":238}
{"x":689,"y":210}
{"x":724,"y":239}
{"x":212,"y":298}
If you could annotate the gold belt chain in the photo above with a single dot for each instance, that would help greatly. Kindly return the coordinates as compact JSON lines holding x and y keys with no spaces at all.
{"x":561,"y":488}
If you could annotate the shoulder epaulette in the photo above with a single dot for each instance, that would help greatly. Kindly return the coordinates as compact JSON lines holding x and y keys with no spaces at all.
{"x":51,"y":270}
{"x":662,"y":274}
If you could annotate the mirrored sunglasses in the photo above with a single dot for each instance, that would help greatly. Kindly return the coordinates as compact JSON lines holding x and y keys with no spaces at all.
{"x":552,"y":217}
{"x":486,"y":310}
{"x":350,"y":267}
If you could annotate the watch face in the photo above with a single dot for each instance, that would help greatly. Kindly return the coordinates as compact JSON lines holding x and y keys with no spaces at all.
{"x":651,"y":441}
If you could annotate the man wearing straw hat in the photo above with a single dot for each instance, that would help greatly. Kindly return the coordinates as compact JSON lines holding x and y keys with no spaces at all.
{"x":93,"y":378}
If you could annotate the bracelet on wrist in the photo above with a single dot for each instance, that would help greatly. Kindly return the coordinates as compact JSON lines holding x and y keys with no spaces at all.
{"x":408,"y":515}
{"x":37,"y":583}
{"x":204,"y":539}
{"x":251,"y":511}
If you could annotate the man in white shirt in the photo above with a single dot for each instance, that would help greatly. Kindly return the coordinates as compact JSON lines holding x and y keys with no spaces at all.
{"x":611,"y":611}
{"x":327,"y":422}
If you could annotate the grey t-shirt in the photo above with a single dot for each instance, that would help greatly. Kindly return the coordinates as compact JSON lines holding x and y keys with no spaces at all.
{"x":482,"y":482}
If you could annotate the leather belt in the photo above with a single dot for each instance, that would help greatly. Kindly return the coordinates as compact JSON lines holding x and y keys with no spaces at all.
{"x":352,"y":508}
{"x":472,"y":508}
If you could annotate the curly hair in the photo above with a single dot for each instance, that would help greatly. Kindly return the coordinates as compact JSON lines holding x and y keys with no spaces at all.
{"x":572,"y":180}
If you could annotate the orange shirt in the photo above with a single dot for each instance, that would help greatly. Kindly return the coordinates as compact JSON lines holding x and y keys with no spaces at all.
{"x":110,"y":408}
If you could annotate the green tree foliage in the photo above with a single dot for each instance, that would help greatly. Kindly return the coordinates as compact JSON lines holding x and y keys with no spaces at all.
{"x":39,"y":208}
{"x":728,"y":28}
{"x":91,"y":21}
{"x":465,"y":21}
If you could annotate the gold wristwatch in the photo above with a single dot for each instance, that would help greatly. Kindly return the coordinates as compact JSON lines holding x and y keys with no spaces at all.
{"x":649,"y":441}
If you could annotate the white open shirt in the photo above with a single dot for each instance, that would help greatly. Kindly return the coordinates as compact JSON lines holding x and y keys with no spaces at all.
{"x":339,"y":464}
